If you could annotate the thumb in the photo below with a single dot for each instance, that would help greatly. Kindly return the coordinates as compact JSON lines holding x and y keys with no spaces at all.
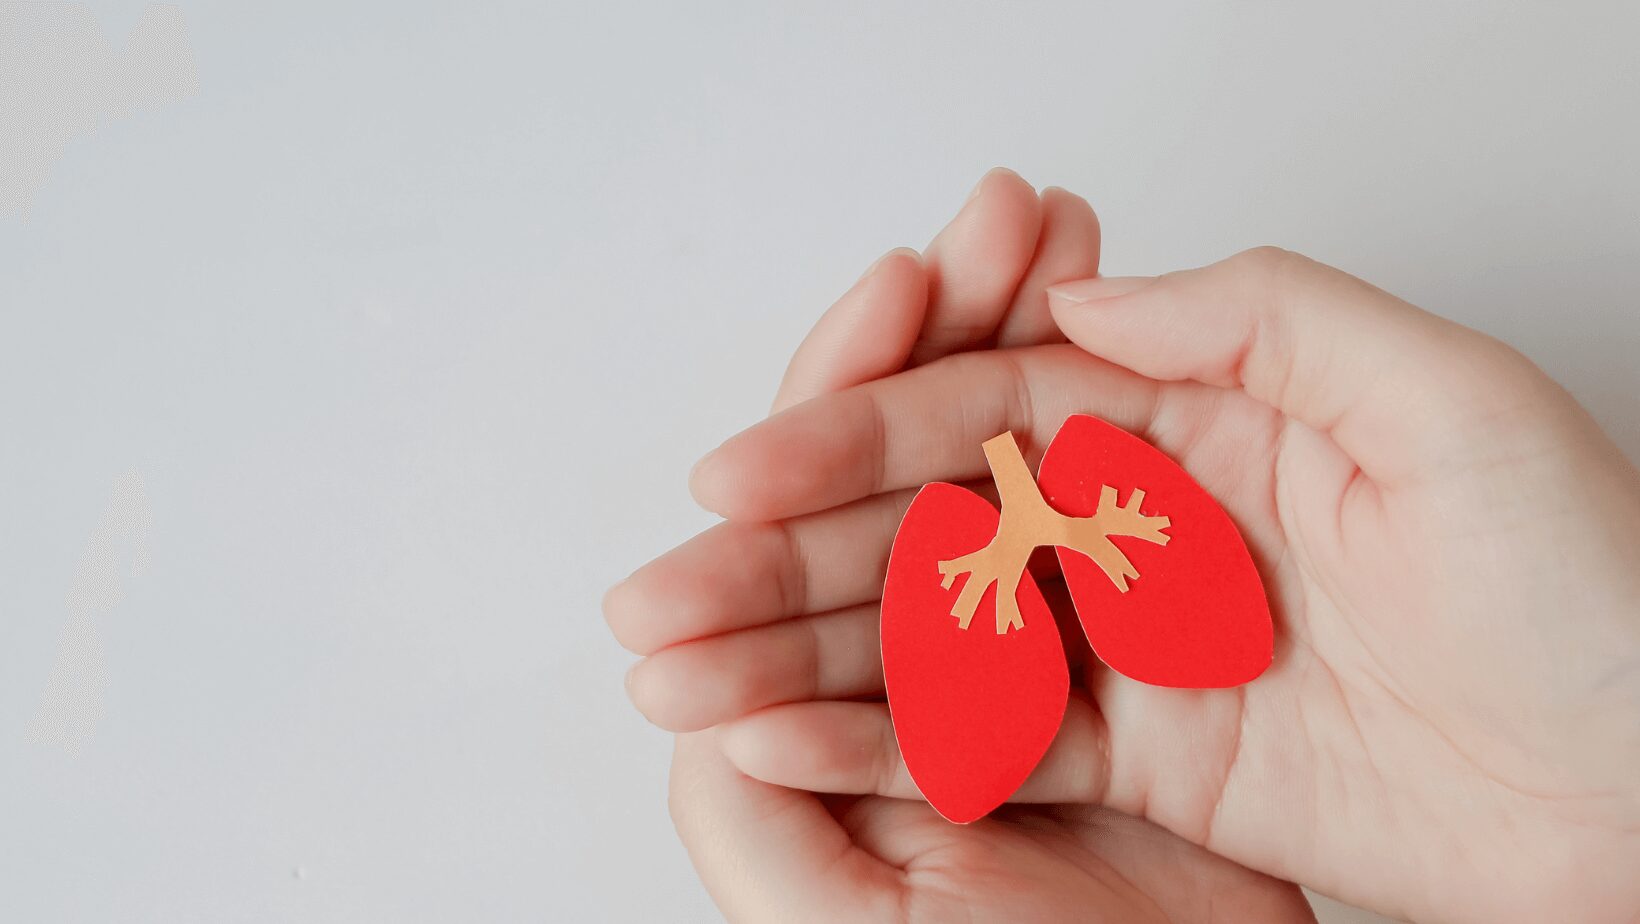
{"x":1393,"y":385}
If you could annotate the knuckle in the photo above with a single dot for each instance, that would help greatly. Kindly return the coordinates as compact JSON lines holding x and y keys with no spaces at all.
{"x":1265,"y":258}
{"x":1268,"y":266}
{"x":1501,"y":383}
{"x":1275,"y":277}
{"x":1510,"y":362}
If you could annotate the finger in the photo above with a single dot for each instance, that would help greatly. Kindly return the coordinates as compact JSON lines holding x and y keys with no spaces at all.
{"x":976,"y":263}
{"x":1391,"y":384}
{"x":698,"y":684}
{"x":923,"y":425}
{"x":769,"y":853}
{"x":866,"y":335}
{"x":1067,"y":249}
{"x":846,"y":747}
{"x":741,"y":574}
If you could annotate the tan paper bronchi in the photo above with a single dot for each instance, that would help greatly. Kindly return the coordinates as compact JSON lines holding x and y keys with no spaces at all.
{"x":1028,"y":522}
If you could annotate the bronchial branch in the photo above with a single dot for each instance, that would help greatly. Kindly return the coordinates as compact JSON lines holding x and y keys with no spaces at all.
{"x":1028,"y":522}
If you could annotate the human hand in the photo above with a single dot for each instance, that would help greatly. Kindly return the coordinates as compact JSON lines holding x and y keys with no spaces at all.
{"x":1448,"y":541}
{"x":771,"y":853}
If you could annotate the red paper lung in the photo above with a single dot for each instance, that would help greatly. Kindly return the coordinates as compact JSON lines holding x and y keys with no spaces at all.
{"x":1196,"y":616}
{"x":1174,"y":601}
{"x":973,"y":710}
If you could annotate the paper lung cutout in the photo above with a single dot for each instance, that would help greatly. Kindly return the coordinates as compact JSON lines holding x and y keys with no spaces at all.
{"x":1162,"y":583}
{"x":1197,"y":616}
{"x":973,"y":710}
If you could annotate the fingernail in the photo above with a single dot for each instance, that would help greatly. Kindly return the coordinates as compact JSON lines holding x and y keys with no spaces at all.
{"x":981,"y":184}
{"x":884,"y":259}
{"x":627,"y":680}
{"x":873,"y":267}
{"x":694,"y":471}
{"x":1098,"y":289}
{"x":698,"y":487}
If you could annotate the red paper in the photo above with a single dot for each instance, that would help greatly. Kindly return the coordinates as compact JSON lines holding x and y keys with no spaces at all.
{"x":1196,"y":616}
{"x":973,"y":710}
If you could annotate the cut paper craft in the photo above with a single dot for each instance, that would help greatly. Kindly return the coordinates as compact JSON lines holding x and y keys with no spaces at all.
{"x":1163,"y":585}
{"x":1028,"y":522}
{"x":1197,"y":615}
{"x":973,"y":711}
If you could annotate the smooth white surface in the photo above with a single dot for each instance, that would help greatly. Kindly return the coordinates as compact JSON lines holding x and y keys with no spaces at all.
{"x":413,"y":318}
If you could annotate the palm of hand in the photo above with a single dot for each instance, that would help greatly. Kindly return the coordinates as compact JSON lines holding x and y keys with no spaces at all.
{"x":1415,"y":685}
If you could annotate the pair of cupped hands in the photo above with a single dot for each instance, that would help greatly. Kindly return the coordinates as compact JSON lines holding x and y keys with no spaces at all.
{"x":1450,"y":730}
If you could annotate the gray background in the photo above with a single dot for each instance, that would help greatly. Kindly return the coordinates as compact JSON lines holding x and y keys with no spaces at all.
{"x":348,"y":351}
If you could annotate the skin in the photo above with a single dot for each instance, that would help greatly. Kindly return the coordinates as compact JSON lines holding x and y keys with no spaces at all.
{"x":1450,"y":544}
